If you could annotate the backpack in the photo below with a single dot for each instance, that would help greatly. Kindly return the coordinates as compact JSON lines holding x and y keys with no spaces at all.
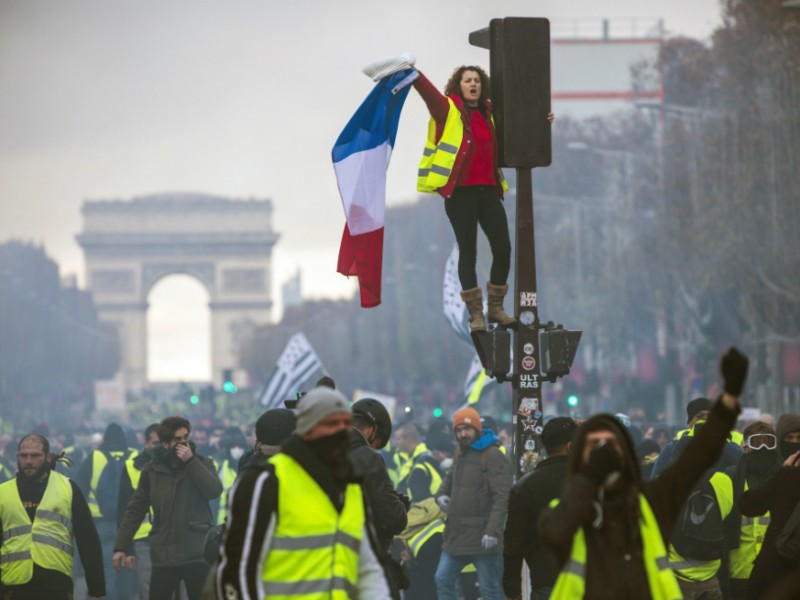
{"x":699,"y":532}
{"x":107,"y":491}
{"x":787,"y":542}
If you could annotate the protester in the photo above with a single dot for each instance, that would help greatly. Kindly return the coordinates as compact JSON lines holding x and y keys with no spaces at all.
{"x":272,"y":429}
{"x":422,"y":541}
{"x":779,"y":496}
{"x":99,"y":478}
{"x":744,"y":536}
{"x":232,"y":448}
{"x":419,"y":474}
{"x":178,"y":484}
{"x":308,"y":489}
{"x":42,"y":515}
{"x":460,"y":164}
{"x":528,"y":498}
{"x":609,"y":529}
{"x":474,"y":494}
{"x":129,"y":481}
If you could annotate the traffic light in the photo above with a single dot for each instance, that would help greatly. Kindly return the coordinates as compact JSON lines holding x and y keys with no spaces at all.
{"x":437,"y":412}
{"x":558,"y":347}
{"x":227,"y":382}
{"x":573,"y":400}
{"x":194,"y":400}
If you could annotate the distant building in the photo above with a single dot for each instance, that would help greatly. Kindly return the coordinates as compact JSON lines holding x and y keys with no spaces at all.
{"x":594,"y":61}
{"x":292,"y":291}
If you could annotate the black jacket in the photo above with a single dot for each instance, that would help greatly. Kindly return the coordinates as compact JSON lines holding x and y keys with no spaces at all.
{"x":388,"y":511}
{"x":527,"y":499}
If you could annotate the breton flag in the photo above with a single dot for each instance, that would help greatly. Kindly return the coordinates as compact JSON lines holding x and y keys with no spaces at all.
{"x":477,"y":382}
{"x":296,"y":364}
{"x":360,"y":158}
{"x":455,"y":311}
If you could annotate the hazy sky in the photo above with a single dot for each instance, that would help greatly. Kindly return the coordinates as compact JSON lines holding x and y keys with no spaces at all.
{"x":113,"y":100}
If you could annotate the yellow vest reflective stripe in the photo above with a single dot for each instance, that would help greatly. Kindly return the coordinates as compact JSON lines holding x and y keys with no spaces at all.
{"x":438,"y":159}
{"x":690,"y":569}
{"x":412,"y":464}
{"x":146,"y":527}
{"x":751,"y":539}
{"x":733,"y":436}
{"x":571,"y":582}
{"x":227,"y":475}
{"x":417,"y":541}
{"x":314,"y":550}
{"x":99,"y":462}
{"x":46,"y":542}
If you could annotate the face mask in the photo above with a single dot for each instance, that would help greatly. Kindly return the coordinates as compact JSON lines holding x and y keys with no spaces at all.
{"x":789,"y":448}
{"x":236,"y":453}
{"x":760,"y":461}
{"x":331,"y":448}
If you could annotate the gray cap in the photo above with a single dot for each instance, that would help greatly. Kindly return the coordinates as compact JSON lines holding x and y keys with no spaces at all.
{"x":316,"y":405}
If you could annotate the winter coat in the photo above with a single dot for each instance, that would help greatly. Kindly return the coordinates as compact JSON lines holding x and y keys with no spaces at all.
{"x":528,"y":498}
{"x":478,"y":486}
{"x":180,"y":498}
{"x":388,"y":511}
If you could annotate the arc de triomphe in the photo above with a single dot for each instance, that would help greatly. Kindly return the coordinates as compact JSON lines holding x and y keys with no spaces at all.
{"x":225,"y":244}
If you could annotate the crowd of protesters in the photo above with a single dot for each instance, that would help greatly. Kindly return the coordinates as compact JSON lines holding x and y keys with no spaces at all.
{"x":334,"y":500}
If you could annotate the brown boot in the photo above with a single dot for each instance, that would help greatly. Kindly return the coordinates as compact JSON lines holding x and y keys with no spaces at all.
{"x":496,"y":313}
{"x":474,"y":300}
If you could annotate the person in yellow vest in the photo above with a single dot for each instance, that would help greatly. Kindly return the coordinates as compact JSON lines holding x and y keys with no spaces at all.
{"x":745,"y":535}
{"x":43,"y":515}
{"x":460,"y":163}
{"x":609,"y":530}
{"x":299,"y":526}
{"x":419,"y":476}
{"x":232,"y":447}
{"x":102,"y":493}
{"x":422,"y":547}
{"x":177,"y":484}
{"x":139,"y":556}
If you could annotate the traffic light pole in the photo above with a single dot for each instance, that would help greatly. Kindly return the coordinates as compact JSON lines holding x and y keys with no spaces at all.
{"x":527,"y":377}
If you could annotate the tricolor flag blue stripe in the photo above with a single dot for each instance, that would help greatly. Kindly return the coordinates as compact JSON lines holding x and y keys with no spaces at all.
{"x":360,"y":159}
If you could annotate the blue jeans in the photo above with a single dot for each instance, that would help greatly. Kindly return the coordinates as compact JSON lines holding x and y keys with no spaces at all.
{"x":487,"y":566}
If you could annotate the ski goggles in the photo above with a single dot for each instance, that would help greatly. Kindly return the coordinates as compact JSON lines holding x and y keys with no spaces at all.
{"x":757,"y":441}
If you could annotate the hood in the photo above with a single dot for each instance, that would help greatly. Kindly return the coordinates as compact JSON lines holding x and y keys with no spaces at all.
{"x":786,"y":424}
{"x":605,"y":422}
{"x":488,"y":438}
{"x":114,"y":438}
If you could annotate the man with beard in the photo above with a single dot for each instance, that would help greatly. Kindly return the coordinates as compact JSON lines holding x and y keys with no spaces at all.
{"x":178,"y":485}
{"x":42,"y":515}
{"x":744,"y":536}
{"x":474,"y":494}
{"x":139,"y":558}
{"x":298,"y":524}
{"x":609,"y":530}
{"x":778,"y":496}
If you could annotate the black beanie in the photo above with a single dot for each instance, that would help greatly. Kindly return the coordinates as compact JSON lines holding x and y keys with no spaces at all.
{"x":697,"y":405}
{"x":275,"y":426}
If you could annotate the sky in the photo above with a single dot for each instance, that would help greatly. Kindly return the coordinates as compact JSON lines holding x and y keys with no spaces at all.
{"x":242,"y":99}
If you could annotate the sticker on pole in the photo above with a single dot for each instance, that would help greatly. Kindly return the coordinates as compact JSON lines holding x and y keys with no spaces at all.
{"x":526,"y":317}
{"x":527,"y":299}
{"x":528,"y":363}
{"x":528,"y":406}
{"x":528,"y":348}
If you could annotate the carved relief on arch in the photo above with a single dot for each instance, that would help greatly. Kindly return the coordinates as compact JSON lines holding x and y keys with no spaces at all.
{"x":152,"y":273}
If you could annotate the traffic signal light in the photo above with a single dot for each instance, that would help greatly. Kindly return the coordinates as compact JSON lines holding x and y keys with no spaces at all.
{"x":573,"y":400}
{"x":227,"y":382}
{"x":437,"y":412}
{"x":194,"y":399}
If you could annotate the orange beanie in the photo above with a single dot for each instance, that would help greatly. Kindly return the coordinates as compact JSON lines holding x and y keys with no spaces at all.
{"x":467,"y":416}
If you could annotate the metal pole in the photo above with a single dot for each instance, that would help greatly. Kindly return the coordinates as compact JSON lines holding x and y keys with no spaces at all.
{"x":527,"y":406}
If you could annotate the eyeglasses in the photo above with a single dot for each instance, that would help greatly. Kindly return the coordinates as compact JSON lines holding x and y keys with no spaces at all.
{"x":761,"y":440}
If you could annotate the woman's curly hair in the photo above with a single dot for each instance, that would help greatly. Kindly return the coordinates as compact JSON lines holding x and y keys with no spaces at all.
{"x":453,"y":86}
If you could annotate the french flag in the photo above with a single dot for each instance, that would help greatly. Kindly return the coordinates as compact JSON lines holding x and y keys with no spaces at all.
{"x":360,"y":158}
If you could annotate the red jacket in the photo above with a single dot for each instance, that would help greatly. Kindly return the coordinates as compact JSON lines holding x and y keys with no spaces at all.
{"x":438,"y":107}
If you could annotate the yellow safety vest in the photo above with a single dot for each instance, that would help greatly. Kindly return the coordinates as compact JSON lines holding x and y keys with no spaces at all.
{"x":46,"y":542}
{"x":751,"y":539}
{"x":135,"y":476}
{"x":227,"y":475}
{"x":734,"y":436}
{"x":411,"y":465}
{"x":690,"y":569}
{"x":99,"y":462}
{"x":314,"y":551}
{"x":418,"y":540}
{"x":571,"y":582}
{"x":438,"y":159}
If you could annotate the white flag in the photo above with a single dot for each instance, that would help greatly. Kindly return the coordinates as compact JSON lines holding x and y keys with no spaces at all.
{"x":455,"y":311}
{"x":296,"y":364}
{"x":477,"y":382}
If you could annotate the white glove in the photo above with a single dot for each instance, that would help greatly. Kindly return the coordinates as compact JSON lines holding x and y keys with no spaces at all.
{"x":384,"y":67}
{"x":488,"y":542}
{"x":443,"y":502}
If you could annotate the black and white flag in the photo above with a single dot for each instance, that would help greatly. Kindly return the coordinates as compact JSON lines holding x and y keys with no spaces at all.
{"x":296,"y":364}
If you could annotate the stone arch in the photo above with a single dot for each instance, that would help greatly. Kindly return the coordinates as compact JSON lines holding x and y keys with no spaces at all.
{"x":226,"y":244}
